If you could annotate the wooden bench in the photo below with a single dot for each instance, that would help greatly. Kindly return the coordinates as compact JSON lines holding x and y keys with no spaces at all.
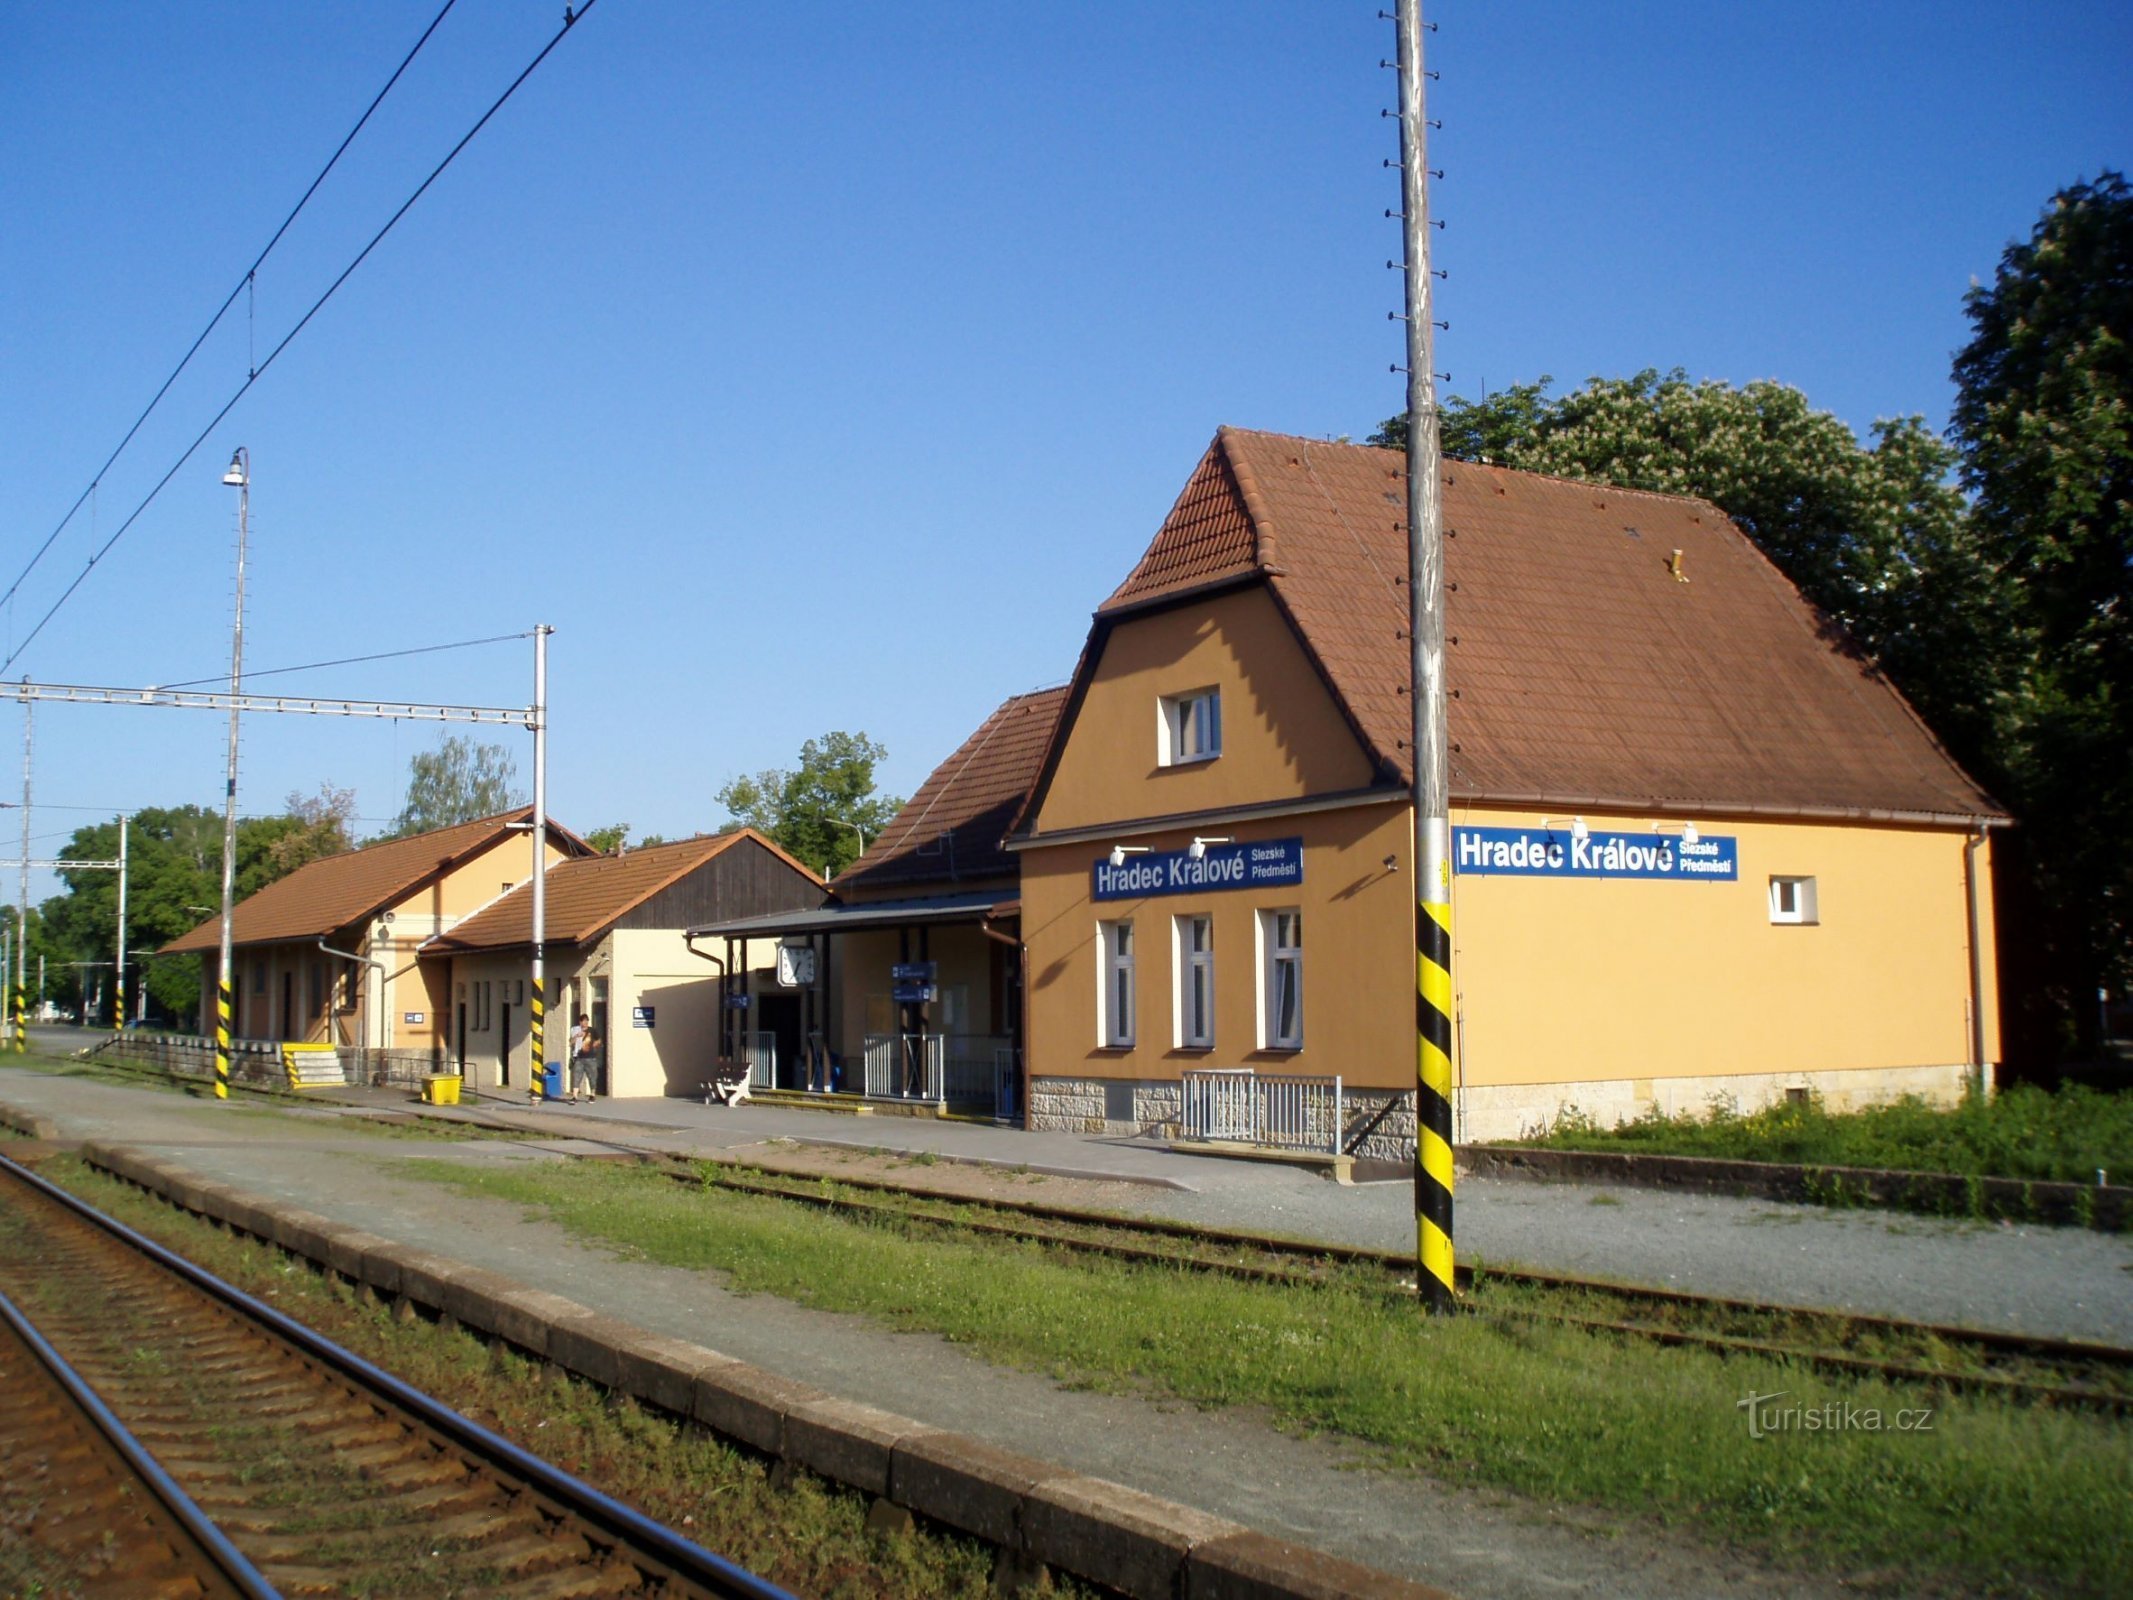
{"x":728,"y":1084}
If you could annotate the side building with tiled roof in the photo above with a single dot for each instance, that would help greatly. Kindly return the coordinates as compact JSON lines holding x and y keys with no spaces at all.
{"x":914,"y":957}
{"x":327,"y":955}
{"x":616,"y":952}
{"x":1701,"y":847}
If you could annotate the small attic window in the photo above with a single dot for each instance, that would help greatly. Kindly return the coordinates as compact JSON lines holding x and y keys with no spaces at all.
{"x":1793,"y":900}
{"x":1189,"y":727}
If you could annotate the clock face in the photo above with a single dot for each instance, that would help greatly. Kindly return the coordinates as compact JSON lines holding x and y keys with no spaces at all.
{"x":796,"y":966}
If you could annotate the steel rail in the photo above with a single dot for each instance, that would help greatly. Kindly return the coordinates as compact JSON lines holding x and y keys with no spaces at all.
{"x":684,"y":1558}
{"x":1987,"y":1342}
{"x":213,"y":1544}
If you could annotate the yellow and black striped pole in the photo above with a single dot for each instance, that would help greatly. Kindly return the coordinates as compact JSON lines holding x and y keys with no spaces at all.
{"x":222,"y":1035}
{"x":22,"y":1012}
{"x":1430,"y":742}
{"x":537,"y":1040}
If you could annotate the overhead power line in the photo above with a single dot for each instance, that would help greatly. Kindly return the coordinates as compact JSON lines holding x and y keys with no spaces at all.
{"x":350,"y":661}
{"x":220,"y":311}
{"x":570,"y":20}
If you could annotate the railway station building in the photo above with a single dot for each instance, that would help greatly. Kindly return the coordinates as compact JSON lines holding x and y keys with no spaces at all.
{"x":1702,"y":849}
{"x":905,"y":979}
{"x":615,"y":951}
{"x":328,"y":954}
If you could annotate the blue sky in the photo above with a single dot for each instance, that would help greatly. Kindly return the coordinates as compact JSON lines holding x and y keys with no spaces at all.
{"x":818,"y":368}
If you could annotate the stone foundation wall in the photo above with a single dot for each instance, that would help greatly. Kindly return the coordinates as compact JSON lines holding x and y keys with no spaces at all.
{"x":1103,"y":1105}
{"x":1501,"y":1111}
{"x":1521,"y":1110}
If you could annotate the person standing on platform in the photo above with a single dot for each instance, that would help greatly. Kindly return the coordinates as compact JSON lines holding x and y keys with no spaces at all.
{"x":584,"y":1044}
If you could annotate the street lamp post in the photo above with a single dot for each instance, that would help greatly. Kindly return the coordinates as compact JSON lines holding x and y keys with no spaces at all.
{"x":239,"y":477}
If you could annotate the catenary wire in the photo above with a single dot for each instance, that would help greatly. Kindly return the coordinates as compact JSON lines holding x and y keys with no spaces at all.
{"x":350,"y":661}
{"x":243,"y":283}
{"x":571,"y":19}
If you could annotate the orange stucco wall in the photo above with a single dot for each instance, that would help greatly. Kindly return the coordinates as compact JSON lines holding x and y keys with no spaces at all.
{"x":1282,"y":734}
{"x":1562,"y":979}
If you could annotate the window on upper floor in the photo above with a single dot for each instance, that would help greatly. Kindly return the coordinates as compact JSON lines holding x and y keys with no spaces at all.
{"x":1189,"y":727}
{"x":1793,"y":900}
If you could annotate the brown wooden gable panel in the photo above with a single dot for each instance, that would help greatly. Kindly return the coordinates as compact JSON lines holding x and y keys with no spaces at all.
{"x":745,"y":880}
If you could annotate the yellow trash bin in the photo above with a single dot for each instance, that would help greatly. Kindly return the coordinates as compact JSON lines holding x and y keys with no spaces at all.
{"x":441,"y":1089}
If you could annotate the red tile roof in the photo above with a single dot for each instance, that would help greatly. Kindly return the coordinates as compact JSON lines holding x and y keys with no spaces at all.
{"x":324,"y":896}
{"x":586,"y":897}
{"x":950,"y":831}
{"x":1585,"y":672}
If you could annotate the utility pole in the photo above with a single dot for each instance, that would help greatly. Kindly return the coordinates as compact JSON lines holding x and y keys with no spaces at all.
{"x":19,"y":988}
{"x":239,"y":477}
{"x":1427,"y":701}
{"x":118,"y":1011}
{"x":536,"y":1034}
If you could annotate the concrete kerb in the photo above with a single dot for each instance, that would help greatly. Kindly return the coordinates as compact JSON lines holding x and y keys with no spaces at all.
{"x":1134,"y":1543}
{"x":29,"y":1125}
{"x":1127,"y":1540}
{"x":1254,"y":1566}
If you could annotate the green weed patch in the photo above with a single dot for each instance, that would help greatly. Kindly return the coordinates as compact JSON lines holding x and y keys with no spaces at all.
{"x":2066,"y":1136}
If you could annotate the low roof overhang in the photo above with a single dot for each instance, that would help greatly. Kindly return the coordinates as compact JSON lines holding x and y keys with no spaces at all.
{"x":840,"y":918}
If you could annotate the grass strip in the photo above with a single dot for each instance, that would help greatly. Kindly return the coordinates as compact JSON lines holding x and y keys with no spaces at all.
{"x":1989,"y":1498}
{"x":801,"y":1533}
{"x":2043,"y":1136}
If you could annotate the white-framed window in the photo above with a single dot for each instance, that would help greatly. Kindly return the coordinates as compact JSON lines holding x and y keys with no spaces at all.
{"x":1792,"y":900}
{"x":1193,"y":952}
{"x":1281,"y":1022}
{"x":1114,"y":985}
{"x":1190,"y":727}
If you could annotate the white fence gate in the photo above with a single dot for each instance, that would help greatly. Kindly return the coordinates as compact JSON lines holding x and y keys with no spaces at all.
{"x":761,"y":1051}
{"x":1239,"y":1106}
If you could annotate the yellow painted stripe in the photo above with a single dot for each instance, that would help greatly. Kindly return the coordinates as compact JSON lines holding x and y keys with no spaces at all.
{"x":1436,"y":1069}
{"x":1437,"y":1158}
{"x":1437,"y":1253}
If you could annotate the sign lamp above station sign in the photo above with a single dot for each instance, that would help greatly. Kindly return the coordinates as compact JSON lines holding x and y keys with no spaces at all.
{"x":1261,"y":864}
{"x":1578,"y":853}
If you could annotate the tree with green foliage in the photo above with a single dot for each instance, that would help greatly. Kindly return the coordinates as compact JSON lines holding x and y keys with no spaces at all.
{"x":2044,"y":418}
{"x":609,"y":839}
{"x":1876,"y":535}
{"x":818,"y":809}
{"x":456,"y":782}
{"x":173,"y":884}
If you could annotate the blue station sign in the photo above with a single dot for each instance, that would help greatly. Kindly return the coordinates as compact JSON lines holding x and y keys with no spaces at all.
{"x":1263,"y":864}
{"x":1557,"y":853}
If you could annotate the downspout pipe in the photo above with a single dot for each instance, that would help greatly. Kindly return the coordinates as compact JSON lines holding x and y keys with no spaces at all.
{"x":1979,"y":1070}
{"x":362,"y":1029}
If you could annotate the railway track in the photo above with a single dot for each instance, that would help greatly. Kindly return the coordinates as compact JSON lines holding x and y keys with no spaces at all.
{"x":322,"y":1471}
{"x":2020,"y":1367}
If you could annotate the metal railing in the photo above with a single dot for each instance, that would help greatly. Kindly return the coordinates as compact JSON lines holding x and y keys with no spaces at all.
{"x":973,"y":1070}
{"x":904,"y":1066}
{"x":760,"y":1050}
{"x":1239,"y":1106}
{"x":1006,"y":1082}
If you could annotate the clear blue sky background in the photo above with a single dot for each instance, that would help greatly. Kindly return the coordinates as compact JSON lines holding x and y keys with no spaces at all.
{"x":817,"y":367}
